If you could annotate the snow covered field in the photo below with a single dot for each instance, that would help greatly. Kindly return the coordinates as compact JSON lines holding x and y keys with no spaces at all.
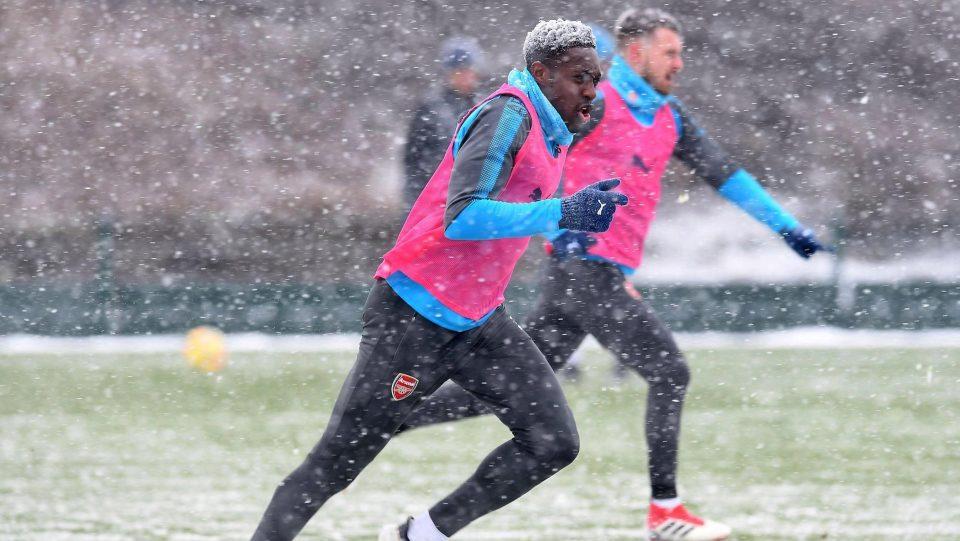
{"x":109,"y":439}
{"x":803,"y":337}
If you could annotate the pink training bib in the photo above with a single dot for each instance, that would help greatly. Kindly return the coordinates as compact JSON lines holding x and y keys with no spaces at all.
{"x":470,"y":277}
{"x":622,"y":147}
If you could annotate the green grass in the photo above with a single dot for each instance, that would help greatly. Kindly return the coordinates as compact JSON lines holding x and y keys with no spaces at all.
{"x":832,"y":444}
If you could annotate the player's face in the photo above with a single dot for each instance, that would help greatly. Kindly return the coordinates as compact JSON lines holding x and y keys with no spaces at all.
{"x":657,"y":58}
{"x":571,"y":86}
{"x":464,"y":80}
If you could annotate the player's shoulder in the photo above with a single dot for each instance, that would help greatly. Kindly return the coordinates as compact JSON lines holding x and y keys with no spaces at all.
{"x":506,"y":111}
{"x":499,"y":103}
{"x":497,"y":117}
{"x":676,"y":105}
{"x":431,"y":99}
{"x":681,"y":116}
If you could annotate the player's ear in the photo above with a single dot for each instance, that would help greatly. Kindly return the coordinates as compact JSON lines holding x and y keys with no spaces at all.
{"x":634,"y":51}
{"x":540,"y":72}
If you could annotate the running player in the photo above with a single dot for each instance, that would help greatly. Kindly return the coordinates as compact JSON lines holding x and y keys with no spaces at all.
{"x":635,"y":128}
{"x":435,"y":312}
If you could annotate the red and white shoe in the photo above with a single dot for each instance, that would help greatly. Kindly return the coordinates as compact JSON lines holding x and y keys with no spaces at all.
{"x":678,"y":524}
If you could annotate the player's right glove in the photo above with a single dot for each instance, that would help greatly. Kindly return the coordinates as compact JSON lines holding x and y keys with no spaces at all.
{"x":571,"y":243}
{"x":802,"y":240}
{"x":591,"y":209}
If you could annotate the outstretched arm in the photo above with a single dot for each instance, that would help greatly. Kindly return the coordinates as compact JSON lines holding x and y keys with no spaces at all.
{"x":712,"y":163}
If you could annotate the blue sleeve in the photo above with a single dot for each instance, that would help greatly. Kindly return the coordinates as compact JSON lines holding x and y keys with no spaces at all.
{"x":485,"y":148}
{"x":486,"y":219}
{"x":742,"y":189}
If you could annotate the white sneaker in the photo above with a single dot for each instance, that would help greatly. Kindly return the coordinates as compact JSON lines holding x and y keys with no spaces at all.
{"x":395,"y":533}
{"x":678,"y":524}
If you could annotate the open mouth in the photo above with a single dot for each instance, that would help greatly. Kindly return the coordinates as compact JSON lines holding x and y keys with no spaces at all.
{"x":585,"y":112}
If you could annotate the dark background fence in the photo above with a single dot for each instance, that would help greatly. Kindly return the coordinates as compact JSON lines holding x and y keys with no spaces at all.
{"x":110,"y":305}
{"x":312,"y":308}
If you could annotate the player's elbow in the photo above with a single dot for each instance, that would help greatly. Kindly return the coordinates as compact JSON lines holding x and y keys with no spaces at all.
{"x":461,"y":222}
{"x":454,"y":231}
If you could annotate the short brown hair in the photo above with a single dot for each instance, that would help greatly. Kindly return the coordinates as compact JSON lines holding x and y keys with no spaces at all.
{"x":635,"y":23}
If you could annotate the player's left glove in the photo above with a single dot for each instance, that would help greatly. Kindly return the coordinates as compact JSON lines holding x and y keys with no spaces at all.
{"x":803,"y":241}
{"x":571,"y":243}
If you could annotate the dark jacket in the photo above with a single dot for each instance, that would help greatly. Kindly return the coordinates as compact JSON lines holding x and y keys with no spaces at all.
{"x":430,"y":131}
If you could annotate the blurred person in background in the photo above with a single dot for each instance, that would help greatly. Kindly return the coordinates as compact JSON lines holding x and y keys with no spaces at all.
{"x":437,"y":115}
{"x":636,"y":127}
{"x":435,"y":312}
{"x":606,"y":45}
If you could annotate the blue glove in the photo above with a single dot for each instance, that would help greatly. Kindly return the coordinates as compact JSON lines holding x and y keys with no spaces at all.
{"x":592,"y":208}
{"x":802,"y":240}
{"x":571,"y":243}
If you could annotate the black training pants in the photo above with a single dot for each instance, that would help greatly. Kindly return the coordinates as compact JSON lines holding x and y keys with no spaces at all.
{"x":496,"y":363}
{"x":581,"y":297}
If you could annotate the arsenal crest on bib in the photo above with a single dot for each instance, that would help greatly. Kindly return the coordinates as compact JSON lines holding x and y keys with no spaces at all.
{"x":403,"y":385}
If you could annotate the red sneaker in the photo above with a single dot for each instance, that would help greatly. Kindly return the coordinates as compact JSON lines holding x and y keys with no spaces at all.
{"x":678,"y":524}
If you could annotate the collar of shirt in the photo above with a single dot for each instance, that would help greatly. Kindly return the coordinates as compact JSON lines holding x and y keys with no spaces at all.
{"x":554,"y":129}
{"x":642,"y":98}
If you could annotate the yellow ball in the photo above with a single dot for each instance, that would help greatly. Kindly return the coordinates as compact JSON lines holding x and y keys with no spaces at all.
{"x":206,"y":349}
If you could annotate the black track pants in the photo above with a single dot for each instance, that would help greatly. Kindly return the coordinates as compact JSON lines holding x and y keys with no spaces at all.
{"x":581,"y":297}
{"x":496,"y":363}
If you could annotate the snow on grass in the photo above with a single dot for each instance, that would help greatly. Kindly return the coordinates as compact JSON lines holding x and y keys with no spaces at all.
{"x":801,"y":337}
{"x":783,"y":444}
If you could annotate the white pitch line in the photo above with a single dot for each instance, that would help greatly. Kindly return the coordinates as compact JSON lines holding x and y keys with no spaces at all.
{"x":798,"y":338}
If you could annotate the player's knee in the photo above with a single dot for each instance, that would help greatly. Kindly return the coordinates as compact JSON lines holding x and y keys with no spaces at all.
{"x":556,"y":449}
{"x":667,"y":369}
{"x":677,"y":374}
{"x":568,"y":448}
